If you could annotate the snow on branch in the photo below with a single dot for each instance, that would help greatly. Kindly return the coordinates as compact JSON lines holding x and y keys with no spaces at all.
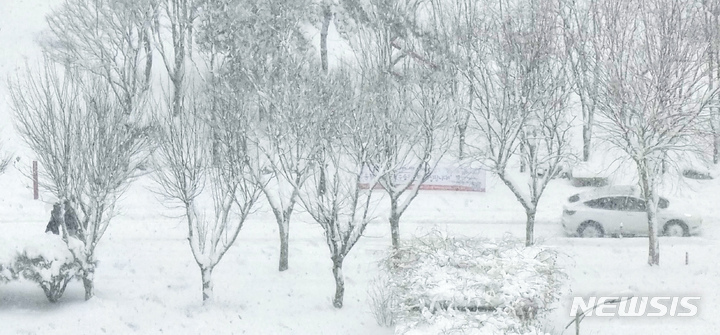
{"x":203,"y":162}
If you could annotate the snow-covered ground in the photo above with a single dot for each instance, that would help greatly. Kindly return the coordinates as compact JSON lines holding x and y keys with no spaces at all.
{"x":147,"y":281}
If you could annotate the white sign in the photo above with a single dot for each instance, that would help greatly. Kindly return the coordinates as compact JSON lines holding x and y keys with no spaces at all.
{"x":445,"y":177}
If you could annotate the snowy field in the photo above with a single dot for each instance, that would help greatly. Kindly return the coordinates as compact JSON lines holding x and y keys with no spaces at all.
{"x":148,"y":283}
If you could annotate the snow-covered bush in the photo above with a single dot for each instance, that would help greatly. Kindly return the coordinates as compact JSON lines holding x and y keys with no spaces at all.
{"x":45,"y":259}
{"x":7,"y":272}
{"x":440,"y":284}
{"x":383,"y":300}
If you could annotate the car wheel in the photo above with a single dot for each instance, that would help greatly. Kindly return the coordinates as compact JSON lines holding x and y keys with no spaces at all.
{"x":675,"y":228}
{"x":591,"y":229}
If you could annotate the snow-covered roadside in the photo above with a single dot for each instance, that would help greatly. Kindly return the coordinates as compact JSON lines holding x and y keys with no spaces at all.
{"x":147,"y":281}
{"x":612,"y":267}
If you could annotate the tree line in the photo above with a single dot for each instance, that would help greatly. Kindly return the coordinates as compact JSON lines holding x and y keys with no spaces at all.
{"x":227,"y":103}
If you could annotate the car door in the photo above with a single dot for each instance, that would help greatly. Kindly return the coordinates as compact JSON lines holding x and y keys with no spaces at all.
{"x":634,"y":216}
{"x":606,"y":211}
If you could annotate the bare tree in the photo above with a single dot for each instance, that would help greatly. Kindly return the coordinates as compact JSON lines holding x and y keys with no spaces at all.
{"x":111,"y":39}
{"x":284,"y":78}
{"x":580,"y":34}
{"x":174,"y":21}
{"x":410,"y":93}
{"x":290,"y":150}
{"x":449,"y":34}
{"x":285,"y":149}
{"x":653,"y":89}
{"x":332,"y":194}
{"x":83,"y":138}
{"x":285,"y":163}
{"x":521,"y":94}
{"x":216,"y":195}
{"x":326,"y":19}
{"x":412,"y":134}
{"x":711,"y":30}
{"x":278,"y":72}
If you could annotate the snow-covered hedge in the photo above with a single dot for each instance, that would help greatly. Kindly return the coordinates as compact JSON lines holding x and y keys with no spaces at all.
{"x":44,"y":259}
{"x":444,"y":285}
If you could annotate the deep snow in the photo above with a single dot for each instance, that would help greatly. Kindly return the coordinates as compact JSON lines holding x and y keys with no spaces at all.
{"x":147,"y":281}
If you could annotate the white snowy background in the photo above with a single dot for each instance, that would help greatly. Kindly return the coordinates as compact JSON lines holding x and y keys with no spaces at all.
{"x":147,"y":281}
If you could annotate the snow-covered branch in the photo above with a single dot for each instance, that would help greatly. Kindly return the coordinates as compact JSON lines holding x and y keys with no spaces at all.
{"x":652,"y":88}
{"x":89,"y":144}
{"x":204,"y":164}
{"x":521,"y":92}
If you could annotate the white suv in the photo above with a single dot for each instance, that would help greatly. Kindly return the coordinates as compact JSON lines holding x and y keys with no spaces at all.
{"x":619,"y":210}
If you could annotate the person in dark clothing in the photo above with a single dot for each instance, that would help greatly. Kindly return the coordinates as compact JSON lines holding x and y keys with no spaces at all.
{"x":71,"y":221}
{"x":54,"y":223}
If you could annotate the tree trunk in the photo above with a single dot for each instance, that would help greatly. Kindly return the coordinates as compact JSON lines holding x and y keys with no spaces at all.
{"x":530,"y":228}
{"x":177,"y":96}
{"x":716,"y":147}
{"x":715,"y":115}
{"x":587,"y":137}
{"x":395,"y":231}
{"x":523,"y":164}
{"x":715,"y":136}
{"x":394,"y":223}
{"x":711,"y":84}
{"x":339,"y":283}
{"x":653,"y":241}
{"x":321,"y":184}
{"x":89,"y":284}
{"x":207,"y":287}
{"x":147,"y":32}
{"x":284,"y":229}
{"x":461,"y":144}
{"x":645,"y":170}
{"x":327,"y":15}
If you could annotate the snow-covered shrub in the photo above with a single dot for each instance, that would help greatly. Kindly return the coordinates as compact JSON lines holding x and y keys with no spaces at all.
{"x":45,"y":259}
{"x":382,"y":300}
{"x":7,"y":261}
{"x":442,"y":284}
{"x":7,"y":272}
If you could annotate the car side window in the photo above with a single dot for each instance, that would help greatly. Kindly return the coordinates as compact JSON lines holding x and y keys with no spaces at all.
{"x":602,"y":203}
{"x":617,"y":204}
{"x":635,"y":205}
{"x":621,"y":204}
{"x":595,"y":203}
